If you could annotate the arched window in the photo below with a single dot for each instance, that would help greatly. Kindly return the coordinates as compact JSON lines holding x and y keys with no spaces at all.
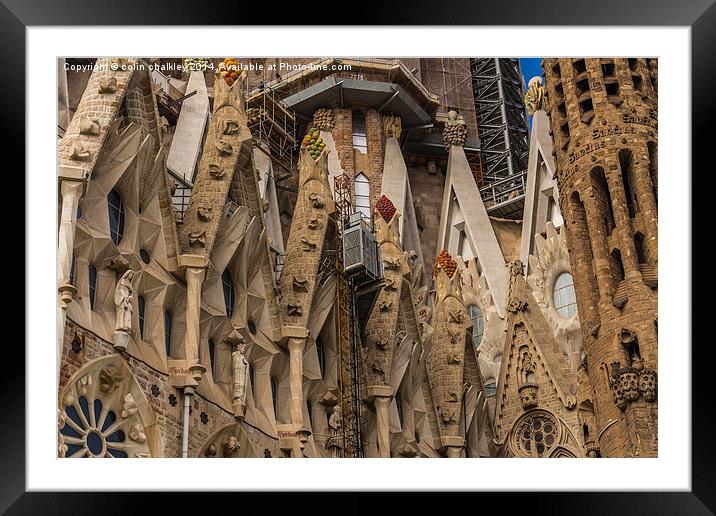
{"x":274,"y":395}
{"x":168,"y":332}
{"x":116,"y":216}
{"x":141,"y":305}
{"x":321,"y":354}
{"x":212,"y":351}
{"x":360,"y":142}
{"x":362,"y":188}
{"x":478,"y":325}
{"x":626,"y":163}
{"x":228,"y":285}
{"x":92,"y":284}
{"x":565,"y":300}
{"x":653,"y":169}
{"x":600,"y":188}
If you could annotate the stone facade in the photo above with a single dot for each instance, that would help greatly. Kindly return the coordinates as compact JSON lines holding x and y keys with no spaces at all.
{"x":455,"y":349}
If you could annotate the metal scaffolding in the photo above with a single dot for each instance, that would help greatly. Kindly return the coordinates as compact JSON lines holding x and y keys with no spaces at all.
{"x":349,"y":371}
{"x":502,"y":125}
{"x":273,"y":127}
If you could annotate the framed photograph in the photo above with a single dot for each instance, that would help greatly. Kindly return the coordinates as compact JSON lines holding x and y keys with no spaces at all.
{"x":437,"y":242}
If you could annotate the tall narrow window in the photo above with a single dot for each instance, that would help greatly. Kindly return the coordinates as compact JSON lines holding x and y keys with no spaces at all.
{"x":73,"y":264}
{"x":309,"y":407}
{"x":478,"y":325}
{"x":92,"y":284}
{"x":490,"y":389}
{"x":141,"y":305}
{"x":274,"y":396}
{"x":600,"y":187}
{"x":228,"y":284}
{"x":212,"y":354}
{"x":626,"y":163}
{"x":360,"y":142}
{"x":321,"y":354}
{"x":116,"y":216}
{"x":616,"y":267}
{"x":362,"y":188}
{"x":251,"y":377}
{"x":653,"y":168}
{"x":168,"y":332}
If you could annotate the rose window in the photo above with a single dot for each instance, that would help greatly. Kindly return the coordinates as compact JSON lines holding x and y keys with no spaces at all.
{"x":91,"y":430}
{"x":536,"y":435}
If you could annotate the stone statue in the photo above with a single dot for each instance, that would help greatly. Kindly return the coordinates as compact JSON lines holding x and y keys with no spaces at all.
{"x":534,"y":98}
{"x":335,"y":423}
{"x":241,"y":377}
{"x":123,"y":301}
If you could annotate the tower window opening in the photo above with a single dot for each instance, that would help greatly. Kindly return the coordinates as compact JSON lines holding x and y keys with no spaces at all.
{"x":360,"y":142}
{"x":579,"y":66}
{"x":556,"y":70}
{"x":633,"y":63}
{"x":321,"y":352}
{"x":73,"y":264}
{"x":653,"y":168}
{"x":585,"y":432}
{"x":274,"y":395}
{"x":600,"y":187}
{"x":586,"y":109}
{"x":478,"y":325}
{"x":616,"y":267}
{"x":228,"y":285}
{"x":608,"y":69}
{"x":639,"y":248}
{"x":626,"y":162}
{"x":562,"y":110}
{"x":582,"y":87}
{"x":612,"y":88}
{"x":212,"y":355}
{"x":637,"y":81}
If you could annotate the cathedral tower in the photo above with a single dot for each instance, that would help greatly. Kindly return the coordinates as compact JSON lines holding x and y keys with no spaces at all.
{"x":603,"y":116}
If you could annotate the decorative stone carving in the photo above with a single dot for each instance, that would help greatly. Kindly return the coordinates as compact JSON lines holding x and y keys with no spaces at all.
{"x":516,"y":268}
{"x":210,"y":451}
{"x":392,"y":126}
{"x":455,"y":130}
{"x":382,"y":343}
{"x":454,"y":358}
{"x":450,"y":396}
{"x":313,"y":223}
{"x":109,"y":380}
{"x":136,"y":434}
{"x":224,"y":147}
{"x":528,"y":395}
{"x":385,"y":306}
{"x":78,"y":152}
{"x":216,"y":171}
{"x":123,"y":297}
{"x":456,"y":316}
{"x":308,"y":245}
{"x":89,"y":126}
{"x":231,"y":446}
{"x":107,"y":85}
{"x":130,"y":407}
{"x":447,"y":414}
{"x":83,"y":384}
{"x":316,"y":200}
{"x":647,"y":385}
{"x":535,"y":98}
{"x":335,"y":424}
{"x":205,"y":212}
{"x":629,"y":383}
{"x":294,"y":309}
{"x":390,"y":284}
{"x":515,"y":305}
{"x":197,"y":238}
{"x":391,"y":263}
{"x":300,"y":285}
{"x":230,"y":127}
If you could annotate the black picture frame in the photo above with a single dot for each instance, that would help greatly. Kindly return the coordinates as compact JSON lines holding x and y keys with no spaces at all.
{"x":700,"y":15}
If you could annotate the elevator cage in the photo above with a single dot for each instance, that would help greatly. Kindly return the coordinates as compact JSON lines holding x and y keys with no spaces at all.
{"x":361,"y":257}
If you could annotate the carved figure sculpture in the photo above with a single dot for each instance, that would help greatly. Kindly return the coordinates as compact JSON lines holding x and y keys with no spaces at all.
{"x":123,"y":301}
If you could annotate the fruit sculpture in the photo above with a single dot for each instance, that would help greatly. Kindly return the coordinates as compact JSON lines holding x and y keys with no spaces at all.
{"x":230,"y":70}
{"x":386,"y":208}
{"x":196,"y":63}
{"x":313,"y":143}
{"x":446,"y":263}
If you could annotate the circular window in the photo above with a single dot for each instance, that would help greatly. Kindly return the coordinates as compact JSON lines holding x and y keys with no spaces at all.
{"x":90,"y":431}
{"x":563,"y":296}
{"x":144,"y":255}
{"x":536,"y":434}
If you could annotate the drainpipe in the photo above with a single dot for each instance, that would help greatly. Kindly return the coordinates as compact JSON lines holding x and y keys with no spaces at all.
{"x":188,"y":395}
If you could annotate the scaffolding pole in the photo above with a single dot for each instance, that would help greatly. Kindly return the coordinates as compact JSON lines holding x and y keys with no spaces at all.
{"x":349,"y":372}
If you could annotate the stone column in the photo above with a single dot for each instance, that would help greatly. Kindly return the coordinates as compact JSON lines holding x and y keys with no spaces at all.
{"x":195,"y":272}
{"x":72,"y":186}
{"x":382,"y":402}
{"x":296,"y":346}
